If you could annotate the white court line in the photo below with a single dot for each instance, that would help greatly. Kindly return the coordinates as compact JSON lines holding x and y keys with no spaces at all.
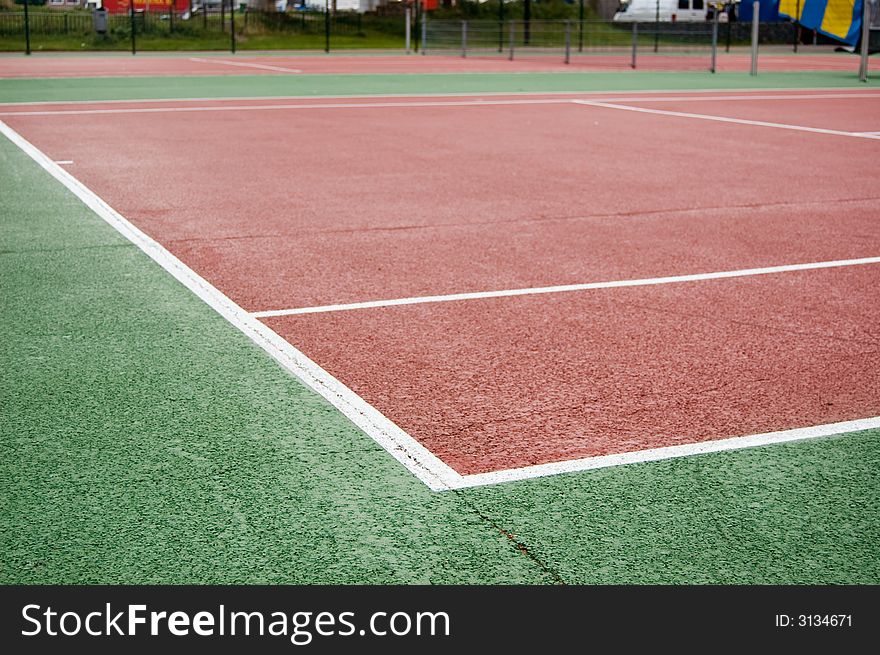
{"x":325,"y":105}
{"x":64,"y":162}
{"x":669,"y":452}
{"x":622,"y":96}
{"x":426,"y":466}
{"x":476,"y":102}
{"x":724,"y":119}
{"x":244,"y":64}
{"x":877,"y":133}
{"x":566,"y":288}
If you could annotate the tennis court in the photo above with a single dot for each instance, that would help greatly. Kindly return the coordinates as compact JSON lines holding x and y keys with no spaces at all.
{"x":505,"y":291}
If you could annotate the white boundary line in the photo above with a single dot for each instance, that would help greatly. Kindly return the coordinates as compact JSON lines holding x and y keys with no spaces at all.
{"x":325,"y":105}
{"x":245,"y":64}
{"x":620,"y":95}
{"x":434,"y":473}
{"x":566,"y":288}
{"x":426,"y":466}
{"x":725,"y":119}
{"x":669,"y":452}
{"x":476,"y":102}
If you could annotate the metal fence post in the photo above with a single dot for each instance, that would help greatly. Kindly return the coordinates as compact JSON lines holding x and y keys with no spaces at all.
{"x":27,"y":29}
{"x":756,"y":8}
{"x":408,"y":18}
{"x":512,"y":34}
{"x":795,"y":24}
{"x":326,"y":25}
{"x":464,"y":38}
{"x":231,"y":23}
{"x":714,"y":41}
{"x":567,"y":41}
{"x":500,"y":25}
{"x":133,"y":27}
{"x":866,"y":37}
{"x":657,"y":27}
{"x":581,"y":26}
{"x":635,"y":45}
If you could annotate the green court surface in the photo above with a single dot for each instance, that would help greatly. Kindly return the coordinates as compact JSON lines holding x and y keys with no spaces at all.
{"x":146,"y":440}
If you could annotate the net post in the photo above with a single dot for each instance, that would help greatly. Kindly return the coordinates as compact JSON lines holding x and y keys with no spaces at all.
{"x":568,"y":42}
{"x":756,"y":8}
{"x":635,"y":44}
{"x":424,"y":31}
{"x":407,"y":13}
{"x":231,"y":23}
{"x":512,"y":34}
{"x":464,"y":38}
{"x":27,"y":29}
{"x":133,"y":27}
{"x":714,"y":41}
{"x":866,"y":37}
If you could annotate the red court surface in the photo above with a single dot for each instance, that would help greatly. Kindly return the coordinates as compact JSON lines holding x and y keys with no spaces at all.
{"x":125,"y":65}
{"x":313,"y":203}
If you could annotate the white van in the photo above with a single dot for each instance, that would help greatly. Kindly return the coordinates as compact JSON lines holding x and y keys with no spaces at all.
{"x":664,"y":11}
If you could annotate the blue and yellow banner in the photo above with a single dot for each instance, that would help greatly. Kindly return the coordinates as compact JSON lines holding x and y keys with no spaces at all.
{"x":839,"y":19}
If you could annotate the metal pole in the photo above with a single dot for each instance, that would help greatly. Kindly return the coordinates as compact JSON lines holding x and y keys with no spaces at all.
{"x":581,"y":26}
{"x":756,"y":8}
{"x":796,"y":23}
{"x":424,"y":31}
{"x":866,"y":37}
{"x":170,"y":17}
{"x":222,"y":15}
{"x":714,"y":41}
{"x":635,"y":47}
{"x":231,"y":23}
{"x":408,"y":18}
{"x":464,"y":38}
{"x":657,"y":27}
{"x":527,"y":21}
{"x":567,"y":41}
{"x":27,"y":29}
{"x":417,"y":17}
{"x":133,"y":27}
{"x":204,"y":16}
{"x":500,"y":25}
{"x":512,"y":28}
{"x":326,"y":25}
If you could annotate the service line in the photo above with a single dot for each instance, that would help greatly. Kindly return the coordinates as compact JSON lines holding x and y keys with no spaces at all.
{"x":725,"y":119}
{"x":567,"y":288}
{"x":463,"y":100}
{"x":244,"y":64}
